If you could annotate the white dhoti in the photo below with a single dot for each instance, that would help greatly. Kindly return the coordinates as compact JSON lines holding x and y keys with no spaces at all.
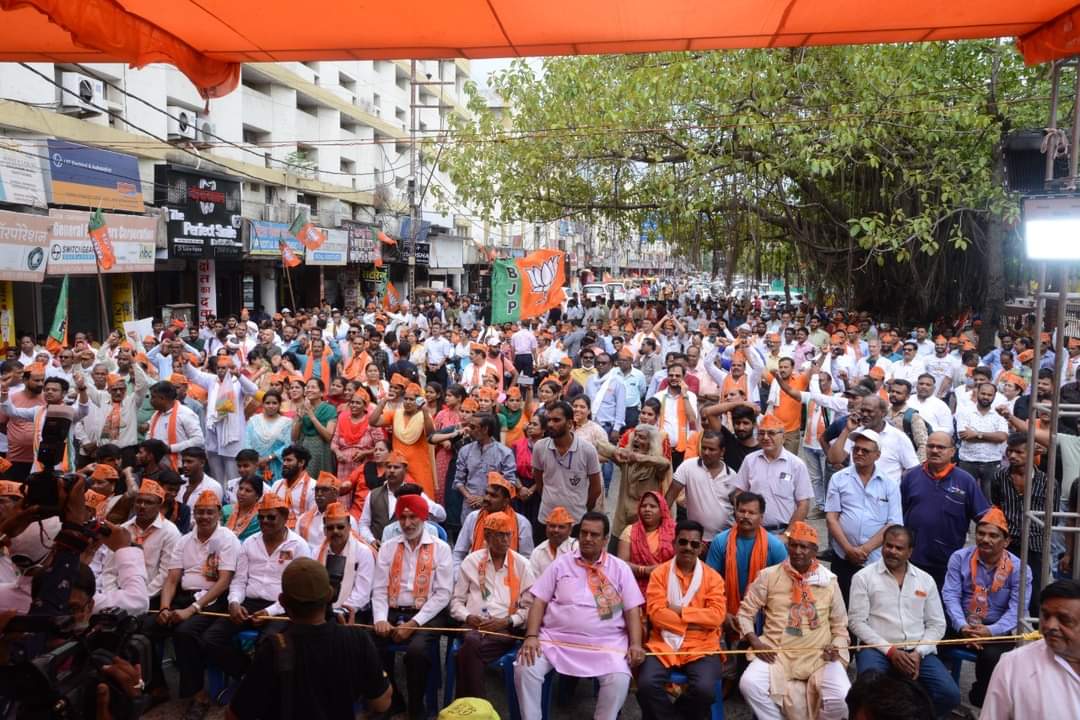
{"x":832,"y":682}
{"x":529,"y":682}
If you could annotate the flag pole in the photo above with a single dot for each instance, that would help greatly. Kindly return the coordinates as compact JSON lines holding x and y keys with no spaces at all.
{"x":288,"y":279}
{"x":100,"y":284}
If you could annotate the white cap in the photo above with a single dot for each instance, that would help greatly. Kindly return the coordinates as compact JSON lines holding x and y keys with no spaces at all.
{"x":35,"y":543}
{"x":286,"y":310}
{"x":868,"y":434}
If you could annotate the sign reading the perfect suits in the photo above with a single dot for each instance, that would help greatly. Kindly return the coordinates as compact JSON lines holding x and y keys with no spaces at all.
{"x":204,"y":213}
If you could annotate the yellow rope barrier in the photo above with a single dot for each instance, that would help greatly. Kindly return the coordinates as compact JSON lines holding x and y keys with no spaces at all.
{"x":1025,"y":637}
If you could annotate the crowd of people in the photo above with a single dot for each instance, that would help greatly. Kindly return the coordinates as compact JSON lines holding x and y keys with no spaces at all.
{"x":616,"y":490}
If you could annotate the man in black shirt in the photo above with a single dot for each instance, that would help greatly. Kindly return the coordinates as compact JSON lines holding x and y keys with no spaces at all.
{"x":315,"y":669}
{"x":741,"y":442}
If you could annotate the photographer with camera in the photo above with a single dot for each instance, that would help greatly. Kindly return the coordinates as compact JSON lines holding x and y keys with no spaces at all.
{"x":54,"y":389}
{"x":350,"y":563}
{"x":321,"y":667}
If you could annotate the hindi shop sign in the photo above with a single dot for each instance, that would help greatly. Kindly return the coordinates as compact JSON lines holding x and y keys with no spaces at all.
{"x":72,"y":252}
{"x":362,"y":242}
{"x":206,"y":283}
{"x":204,"y":213}
{"x":24,"y":242}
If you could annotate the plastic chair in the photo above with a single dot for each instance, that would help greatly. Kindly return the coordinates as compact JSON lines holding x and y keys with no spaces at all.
{"x":504,"y":663}
{"x":955,"y":656}
{"x":434,"y":679}
{"x":217,"y":686}
{"x":716,"y":712}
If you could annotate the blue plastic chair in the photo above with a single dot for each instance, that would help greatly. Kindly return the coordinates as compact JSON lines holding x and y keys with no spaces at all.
{"x":434,"y":679}
{"x":717,"y":709}
{"x":504,"y":663}
{"x":217,"y":686}
{"x":955,"y":657}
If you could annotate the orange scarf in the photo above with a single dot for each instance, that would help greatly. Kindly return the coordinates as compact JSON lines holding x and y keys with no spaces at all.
{"x":112,"y":423}
{"x":980,"y":595}
{"x":802,"y":599}
{"x":731,"y":383}
{"x":305,"y":523}
{"x":941,"y":475}
{"x":235,"y":517}
{"x":478,"y":533}
{"x":731,"y":565}
{"x":324,"y":370}
{"x":425,"y":566}
{"x":170,"y":431}
{"x":356,"y":365}
{"x":306,"y":480}
{"x":608,"y":600}
{"x":680,"y":418}
{"x":512,"y":581}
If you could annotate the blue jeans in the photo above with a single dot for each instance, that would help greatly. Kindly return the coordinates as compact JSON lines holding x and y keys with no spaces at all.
{"x":933,"y":677}
{"x":815,"y":465}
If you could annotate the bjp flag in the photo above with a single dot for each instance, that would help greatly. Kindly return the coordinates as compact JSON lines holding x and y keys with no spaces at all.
{"x":527,"y":287}
{"x":99,"y":235}
{"x":392,"y":296}
{"x":305,"y":231}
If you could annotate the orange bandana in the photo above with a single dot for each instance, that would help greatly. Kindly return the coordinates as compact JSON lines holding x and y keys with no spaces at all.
{"x":425,"y":567}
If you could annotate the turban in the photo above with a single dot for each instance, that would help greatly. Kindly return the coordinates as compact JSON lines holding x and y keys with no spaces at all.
{"x":149,"y":487}
{"x":10,"y":488}
{"x":469,"y":405}
{"x":114,"y":379}
{"x":104,"y":472}
{"x":995,"y":517}
{"x":494,"y":478}
{"x":801,"y":532}
{"x":771,"y":422}
{"x":178,"y":379}
{"x":399,"y":379}
{"x":499,"y":522}
{"x":397,"y":458}
{"x":207,"y":498}
{"x":94,"y":500}
{"x":335,"y":511}
{"x":559,"y":516}
{"x":326,"y":479}
{"x":413,"y":390}
{"x":413,"y":503}
{"x":272,"y":501}
{"x":877,"y":373}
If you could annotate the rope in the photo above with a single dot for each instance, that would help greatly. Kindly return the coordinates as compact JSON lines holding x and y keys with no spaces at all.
{"x":1026,"y":637}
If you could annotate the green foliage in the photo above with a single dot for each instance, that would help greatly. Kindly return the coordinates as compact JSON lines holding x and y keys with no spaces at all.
{"x":866,"y":165}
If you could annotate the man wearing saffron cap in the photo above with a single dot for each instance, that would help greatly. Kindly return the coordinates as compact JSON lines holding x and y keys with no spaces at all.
{"x":227,"y":392}
{"x":896,"y":605}
{"x":587,"y":597}
{"x":803,"y":613}
{"x":497,"y":497}
{"x":120,"y":409}
{"x":200,"y":570}
{"x":342,"y":551}
{"x":778,"y":475}
{"x":982,"y":595}
{"x":557,"y":527}
{"x":378,"y":513}
{"x":490,"y":594}
{"x":413,"y":582}
{"x":154,"y":534}
{"x":310,"y":525}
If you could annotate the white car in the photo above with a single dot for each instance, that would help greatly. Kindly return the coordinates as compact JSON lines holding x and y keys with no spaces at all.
{"x":615,"y":291}
{"x":593,"y":291}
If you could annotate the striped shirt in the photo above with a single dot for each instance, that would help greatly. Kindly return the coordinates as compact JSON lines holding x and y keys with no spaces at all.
{"x":1005,"y":495}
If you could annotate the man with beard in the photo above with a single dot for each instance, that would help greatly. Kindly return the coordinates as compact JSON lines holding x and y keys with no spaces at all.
{"x":490,"y":595}
{"x":340,"y":549}
{"x":497,"y":497}
{"x":1039,"y":680}
{"x":907,"y":636}
{"x":784,"y":405}
{"x":982,"y":596}
{"x":295,"y":488}
{"x":906,"y":420}
{"x":199,"y":572}
{"x":557,"y":527}
{"x":413,"y":582}
{"x":174,"y":424}
{"x":20,"y":433}
{"x":1044,"y":392}
{"x":929,"y":406}
{"x":193,"y":460}
{"x":982,"y":434}
{"x":154,"y":534}
{"x":566,"y":470}
{"x":803,"y":612}
{"x":53,"y":391}
{"x":377,"y":517}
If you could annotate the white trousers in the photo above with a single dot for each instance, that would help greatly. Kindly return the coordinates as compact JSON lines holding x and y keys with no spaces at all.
{"x":221,"y":467}
{"x":754,"y":686}
{"x":529,"y":681}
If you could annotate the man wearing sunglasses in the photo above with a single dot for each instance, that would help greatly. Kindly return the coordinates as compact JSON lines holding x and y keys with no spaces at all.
{"x":686,"y":608}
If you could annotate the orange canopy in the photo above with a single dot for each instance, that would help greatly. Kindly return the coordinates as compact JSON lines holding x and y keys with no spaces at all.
{"x":207,"y":39}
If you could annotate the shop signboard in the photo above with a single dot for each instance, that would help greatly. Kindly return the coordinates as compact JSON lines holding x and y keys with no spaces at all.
{"x":92,"y":177}
{"x":265,"y":239}
{"x":203,"y":212}
{"x":362,"y":241}
{"x":333,"y":251}
{"x":22,"y":181}
{"x":71,"y":252}
{"x":24,"y":244}
{"x":206,"y":282}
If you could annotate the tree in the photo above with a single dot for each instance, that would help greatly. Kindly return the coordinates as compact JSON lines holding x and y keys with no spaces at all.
{"x":872,"y":169}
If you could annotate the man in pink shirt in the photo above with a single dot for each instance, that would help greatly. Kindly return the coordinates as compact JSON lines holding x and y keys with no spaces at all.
{"x":21,"y":432}
{"x":524,"y":344}
{"x":593,"y":600}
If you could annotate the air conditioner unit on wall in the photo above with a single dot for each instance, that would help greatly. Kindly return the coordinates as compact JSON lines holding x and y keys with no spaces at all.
{"x":81,"y":93}
{"x":206,"y":132}
{"x":183,"y":123}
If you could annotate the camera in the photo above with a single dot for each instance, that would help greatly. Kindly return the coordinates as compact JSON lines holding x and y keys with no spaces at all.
{"x":41,"y":487}
{"x":62,"y":681}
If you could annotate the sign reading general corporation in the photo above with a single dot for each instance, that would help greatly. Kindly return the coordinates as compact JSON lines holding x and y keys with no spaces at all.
{"x":204,"y":214}
{"x":24,"y":241}
{"x":71,"y":251}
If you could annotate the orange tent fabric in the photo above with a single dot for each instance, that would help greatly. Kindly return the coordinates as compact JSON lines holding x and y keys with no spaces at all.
{"x":208,"y":39}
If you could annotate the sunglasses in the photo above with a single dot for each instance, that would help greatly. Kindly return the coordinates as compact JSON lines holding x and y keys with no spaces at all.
{"x":692,"y":544}
{"x":334,"y":527}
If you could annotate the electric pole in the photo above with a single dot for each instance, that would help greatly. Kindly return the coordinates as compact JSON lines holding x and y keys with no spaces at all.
{"x":414,"y":210}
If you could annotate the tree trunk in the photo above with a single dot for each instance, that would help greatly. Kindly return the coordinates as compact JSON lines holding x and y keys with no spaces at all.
{"x":993,"y":303}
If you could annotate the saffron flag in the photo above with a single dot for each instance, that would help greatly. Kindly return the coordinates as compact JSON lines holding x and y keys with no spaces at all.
{"x":527,"y":287}
{"x":288,"y":258}
{"x":392,"y":296}
{"x":58,"y":333}
{"x":305,"y":231}
{"x":99,"y":234}
{"x":386,"y":239}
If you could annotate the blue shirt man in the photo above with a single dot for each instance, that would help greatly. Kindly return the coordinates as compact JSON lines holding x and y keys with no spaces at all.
{"x":607,"y":396}
{"x":744,"y":546}
{"x":863,"y":510}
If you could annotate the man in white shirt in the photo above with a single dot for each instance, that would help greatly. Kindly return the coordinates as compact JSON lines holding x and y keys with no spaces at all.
{"x":490,"y":594}
{"x":1041,"y":679}
{"x":254,"y":591}
{"x":349,"y":561}
{"x":896,"y":605}
{"x":377,"y":516}
{"x":413,"y":582}
{"x":201,"y":568}
{"x":154,"y":534}
{"x":983,"y":433}
{"x":872,"y":359}
{"x":897,"y":451}
{"x":193,"y":463}
{"x":557,"y":526}
{"x":172,"y":423}
{"x":678,"y":412}
{"x":709,"y":483}
{"x":910,"y":366}
{"x":932,"y":408}
{"x":943,"y":366}
{"x":310,"y":524}
{"x":119,"y":408}
{"x":439,"y":350}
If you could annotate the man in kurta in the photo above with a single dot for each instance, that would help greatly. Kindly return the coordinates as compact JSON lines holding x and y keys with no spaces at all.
{"x":227,"y":392}
{"x":586,"y":598}
{"x":490,"y":594}
{"x":557,"y":527}
{"x":686,"y":609}
{"x":642,"y":468}
{"x":803,"y":609}
{"x":497,"y":497}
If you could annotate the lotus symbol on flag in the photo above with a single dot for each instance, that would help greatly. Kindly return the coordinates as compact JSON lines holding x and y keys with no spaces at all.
{"x":542,"y":276}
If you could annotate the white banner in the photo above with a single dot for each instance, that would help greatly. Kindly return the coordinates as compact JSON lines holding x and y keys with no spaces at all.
{"x":334,"y":251}
{"x":22,"y":181}
{"x":206,"y":278}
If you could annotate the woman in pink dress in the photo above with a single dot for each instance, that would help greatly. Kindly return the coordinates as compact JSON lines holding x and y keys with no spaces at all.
{"x":528,"y":502}
{"x":354,"y":440}
{"x":448,"y":416}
